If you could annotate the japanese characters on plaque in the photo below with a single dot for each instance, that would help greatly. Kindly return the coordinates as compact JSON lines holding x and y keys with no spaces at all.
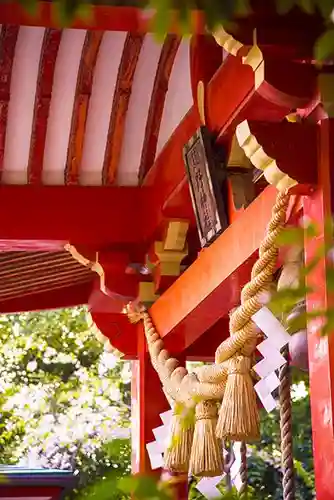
{"x":206,"y":191}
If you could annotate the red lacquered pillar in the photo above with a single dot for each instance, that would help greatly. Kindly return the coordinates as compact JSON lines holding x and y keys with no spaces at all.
{"x":318,"y":207}
{"x":148,"y":401}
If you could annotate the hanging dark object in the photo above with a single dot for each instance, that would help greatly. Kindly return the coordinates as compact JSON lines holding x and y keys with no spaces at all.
{"x":205,"y":165}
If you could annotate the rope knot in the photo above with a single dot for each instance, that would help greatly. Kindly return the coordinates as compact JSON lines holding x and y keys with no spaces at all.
{"x":239,"y":365}
{"x":206,"y":410}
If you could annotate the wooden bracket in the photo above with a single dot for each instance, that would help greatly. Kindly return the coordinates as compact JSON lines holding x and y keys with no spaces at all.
{"x":147,"y":293}
{"x":166,"y":256}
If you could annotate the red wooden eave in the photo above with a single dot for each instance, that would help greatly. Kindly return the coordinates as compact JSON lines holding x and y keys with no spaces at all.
{"x":266,"y":103}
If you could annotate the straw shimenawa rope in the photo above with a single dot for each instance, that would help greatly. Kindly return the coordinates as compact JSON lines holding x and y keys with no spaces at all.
{"x":286,"y":430}
{"x":231,"y":372}
{"x":243,"y":490}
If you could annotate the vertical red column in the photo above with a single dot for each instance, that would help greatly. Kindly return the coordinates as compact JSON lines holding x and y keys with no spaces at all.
{"x":318,"y":207}
{"x":148,"y":401}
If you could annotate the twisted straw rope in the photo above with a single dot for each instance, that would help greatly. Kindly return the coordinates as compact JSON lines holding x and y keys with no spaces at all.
{"x":208,"y":382}
{"x":243,"y":491}
{"x":286,"y":431}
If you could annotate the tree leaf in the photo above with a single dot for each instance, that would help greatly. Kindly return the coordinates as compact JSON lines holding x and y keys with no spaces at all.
{"x":307,"y":5}
{"x":325,"y":7}
{"x":284,"y":6}
{"x":330,"y":279}
{"x":31,"y":6}
{"x":291,"y":236}
{"x":324,"y":47}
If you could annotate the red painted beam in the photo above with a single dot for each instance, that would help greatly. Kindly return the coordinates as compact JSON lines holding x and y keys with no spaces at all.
{"x":104,"y":17}
{"x":211,"y":286}
{"x":95,"y":217}
{"x":204,"y":348}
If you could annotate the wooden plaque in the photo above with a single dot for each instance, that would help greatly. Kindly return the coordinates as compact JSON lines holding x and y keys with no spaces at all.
{"x":207,"y":177}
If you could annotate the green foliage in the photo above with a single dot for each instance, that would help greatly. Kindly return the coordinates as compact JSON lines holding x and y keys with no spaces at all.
{"x":56,"y":351}
{"x":62,"y":397}
{"x":264,"y":462}
{"x":283,"y":301}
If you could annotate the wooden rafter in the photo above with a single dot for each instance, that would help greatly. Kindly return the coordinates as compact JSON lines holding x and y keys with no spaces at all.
{"x":165,"y":65}
{"x":8,"y":38}
{"x":38,"y":286}
{"x":81,"y":103}
{"x":50,"y":47}
{"x":33,"y":272}
{"x":58,"y":297}
{"x":126,"y":72}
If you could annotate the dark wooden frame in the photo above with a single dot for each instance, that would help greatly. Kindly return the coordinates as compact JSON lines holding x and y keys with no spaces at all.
{"x":211,"y":172}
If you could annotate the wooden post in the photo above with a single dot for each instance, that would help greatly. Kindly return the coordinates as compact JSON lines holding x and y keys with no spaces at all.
{"x":148,"y":401}
{"x":318,"y":207}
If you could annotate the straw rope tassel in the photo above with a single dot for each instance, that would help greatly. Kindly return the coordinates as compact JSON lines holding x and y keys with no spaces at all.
{"x":177,"y":455}
{"x":206,"y":453}
{"x":239,"y":416}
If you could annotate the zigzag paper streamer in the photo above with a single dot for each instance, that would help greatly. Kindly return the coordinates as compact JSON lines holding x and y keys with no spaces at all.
{"x":208,"y":486}
{"x":277,"y":338}
{"x":157,"y":448}
{"x":235,"y":468}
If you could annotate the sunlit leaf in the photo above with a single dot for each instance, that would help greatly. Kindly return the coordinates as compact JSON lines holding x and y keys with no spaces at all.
{"x":128,"y":484}
{"x":243,"y":7}
{"x":324,"y":47}
{"x":85,"y":12}
{"x":307,"y":5}
{"x":162,"y":17}
{"x":284,"y":300}
{"x":311,"y":231}
{"x":291,"y":236}
{"x":31,"y":6}
{"x":330,"y":279}
{"x":284,"y":6}
{"x":325,"y":7}
{"x":299,"y":322}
